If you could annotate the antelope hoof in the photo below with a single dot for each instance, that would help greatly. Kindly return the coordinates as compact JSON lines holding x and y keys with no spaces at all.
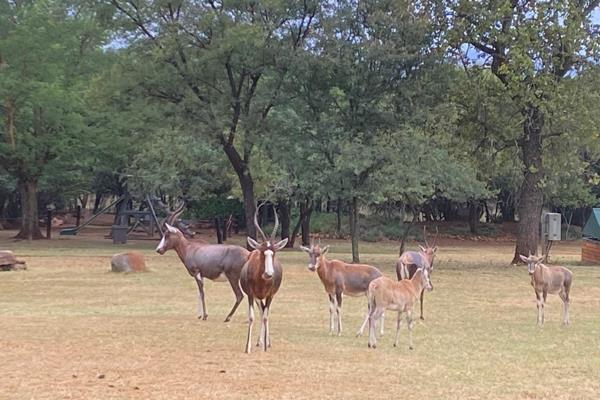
{"x":227,"y":319}
{"x":422,"y":318}
{"x":410,"y":348}
{"x":204,"y":317}
{"x":358,"y":334}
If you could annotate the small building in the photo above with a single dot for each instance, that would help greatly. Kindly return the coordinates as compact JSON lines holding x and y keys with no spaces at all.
{"x":590,"y":249}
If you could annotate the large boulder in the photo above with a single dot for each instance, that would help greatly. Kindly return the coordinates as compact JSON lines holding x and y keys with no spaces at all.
{"x":132,"y":261}
{"x":8,"y":261}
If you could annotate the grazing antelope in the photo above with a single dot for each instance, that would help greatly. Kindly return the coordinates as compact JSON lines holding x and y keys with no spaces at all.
{"x":410,"y":261}
{"x":551,"y":280}
{"x":260,"y":280}
{"x":216,"y":262}
{"x":386,"y":294}
{"x":340,"y":278}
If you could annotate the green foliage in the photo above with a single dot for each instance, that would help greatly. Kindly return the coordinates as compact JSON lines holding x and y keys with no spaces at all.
{"x":48,"y":51}
{"x":218,"y":206}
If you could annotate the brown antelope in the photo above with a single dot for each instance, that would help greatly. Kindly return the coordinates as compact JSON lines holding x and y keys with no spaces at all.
{"x":386,"y":294}
{"x":260,"y":280}
{"x":546,"y":280}
{"x":410,"y":261}
{"x":340,"y":278}
{"x":216,"y":262}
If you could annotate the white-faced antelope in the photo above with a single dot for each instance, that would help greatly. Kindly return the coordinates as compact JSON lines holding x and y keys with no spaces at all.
{"x":260,"y":279}
{"x":211,"y":261}
{"x":410,"y":261}
{"x":551,"y":280}
{"x":340,"y":278}
{"x":386,"y":294}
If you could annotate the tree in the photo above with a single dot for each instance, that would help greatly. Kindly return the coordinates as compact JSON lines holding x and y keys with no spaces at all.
{"x":534,"y":49}
{"x":45,"y":50}
{"x":223,"y":63}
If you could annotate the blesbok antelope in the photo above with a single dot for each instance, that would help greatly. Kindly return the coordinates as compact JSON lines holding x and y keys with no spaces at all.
{"x":340,"y":278}
{"x":260,"y":280}
{"x":386,"y":294}
{"x":409,"y":261}
{"x":216,"y":262}
{"x":553,"y":280}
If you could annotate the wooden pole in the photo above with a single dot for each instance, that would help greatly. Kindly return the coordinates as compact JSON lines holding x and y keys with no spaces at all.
{"x":78,"y":215}
{"x":48,"y":224}
{"x":218,"y":229}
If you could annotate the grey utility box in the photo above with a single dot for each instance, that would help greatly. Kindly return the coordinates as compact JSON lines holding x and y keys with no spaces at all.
{"x":551,"y":226}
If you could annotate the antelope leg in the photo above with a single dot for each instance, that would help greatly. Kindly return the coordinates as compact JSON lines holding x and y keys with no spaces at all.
{"x":201,"y":305}
{"x":250,"y":323}
{"x":409,"y":321}
{"x":239,"y":296}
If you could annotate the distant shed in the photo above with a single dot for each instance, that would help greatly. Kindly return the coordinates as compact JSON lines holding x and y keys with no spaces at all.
{"x":590,"y":249}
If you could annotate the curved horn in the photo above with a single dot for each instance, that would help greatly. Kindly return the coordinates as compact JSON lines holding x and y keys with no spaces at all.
{"x":276,"y":225}
{"x":425,"y":236}
{"x":174,"y":214}
{"x":256,"y":223}
{"x":437,"y":233}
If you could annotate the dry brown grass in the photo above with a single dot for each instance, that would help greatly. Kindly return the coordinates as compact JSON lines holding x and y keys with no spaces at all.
{"x":68,"y":320}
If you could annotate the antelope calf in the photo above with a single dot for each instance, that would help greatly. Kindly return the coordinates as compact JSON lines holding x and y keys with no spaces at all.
{"x":340,"y":278}
{"x":410,"y":261}
{"x":386,"y":294}
{"x":546,"y":280}
{"x":260,"y":280}
{"x":211,"y":261}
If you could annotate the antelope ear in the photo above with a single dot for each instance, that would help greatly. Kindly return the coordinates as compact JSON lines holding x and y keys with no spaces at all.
{"x":422,"y":248}
{"x":435,"y":249}
{"x":325,"y":249}
{"x":523,"y":258}
{"x":253,"y":243}
{"x":171,"y":229}
{"x":280,"y":245}
{"x":304,"y":248}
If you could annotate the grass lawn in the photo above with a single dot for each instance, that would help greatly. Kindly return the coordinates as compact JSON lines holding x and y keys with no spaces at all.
{"x":69,"y":329}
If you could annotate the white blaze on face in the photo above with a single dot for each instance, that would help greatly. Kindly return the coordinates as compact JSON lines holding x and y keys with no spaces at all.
{"x":161,"y":244}
{"x":269,"y":271}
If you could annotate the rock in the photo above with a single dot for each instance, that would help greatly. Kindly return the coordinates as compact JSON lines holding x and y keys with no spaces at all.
{"x":8,"y":261}
{"x":132,"y":261}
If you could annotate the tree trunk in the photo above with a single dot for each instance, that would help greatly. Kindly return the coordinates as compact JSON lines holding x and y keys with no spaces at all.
{"x":30,"y":228}
{"x":284,"y":215}
{"x":308,"y":207}
{"x":97,"y":201}
{"x":406,"y":232}
{"x":531,"y":199}
{"x":9,"y":121}
{"x":354,"y":229}
{"x":304,"y":209}
{"x":338,"y":225}
{"x":240,"y":167}
{"x":474,"y":212}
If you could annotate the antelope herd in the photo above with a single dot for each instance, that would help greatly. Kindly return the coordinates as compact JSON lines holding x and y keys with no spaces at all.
{"x":258,"y":273}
